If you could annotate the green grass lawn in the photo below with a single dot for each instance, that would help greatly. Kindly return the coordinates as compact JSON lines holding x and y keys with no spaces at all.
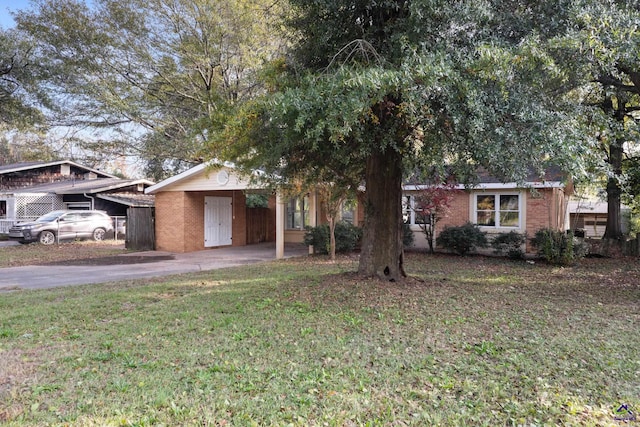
{"x":468,"y":341}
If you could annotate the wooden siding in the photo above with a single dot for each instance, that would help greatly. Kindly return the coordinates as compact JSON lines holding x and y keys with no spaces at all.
{"x":260,"y":225}
{"x":42,"y":175}
{"x":207,"y":180}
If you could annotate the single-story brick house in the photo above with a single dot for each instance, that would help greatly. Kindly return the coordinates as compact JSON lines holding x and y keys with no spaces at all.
{"x":498,"y":207}
{"x":206,"y":207}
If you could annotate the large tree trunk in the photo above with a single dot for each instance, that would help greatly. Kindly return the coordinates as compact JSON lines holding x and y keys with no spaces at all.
{"x":382,"y":254}
{"x":614,"y":225}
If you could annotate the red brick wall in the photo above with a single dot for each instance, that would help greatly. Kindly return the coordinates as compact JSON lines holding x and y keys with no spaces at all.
{"x":547,"y":208}
{"x":194,"y":221}
{"x":544,"y":208}
{"x":459,"y":211}
{"x":170,"y":218}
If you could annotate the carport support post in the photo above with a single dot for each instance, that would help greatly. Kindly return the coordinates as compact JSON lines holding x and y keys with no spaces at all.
{"x":280,"y":209}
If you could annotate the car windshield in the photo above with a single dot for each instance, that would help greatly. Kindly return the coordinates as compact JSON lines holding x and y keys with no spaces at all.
{"x":51,"y":216}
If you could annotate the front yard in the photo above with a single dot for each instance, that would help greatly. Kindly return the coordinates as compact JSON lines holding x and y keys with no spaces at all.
{"x":467,"y":341}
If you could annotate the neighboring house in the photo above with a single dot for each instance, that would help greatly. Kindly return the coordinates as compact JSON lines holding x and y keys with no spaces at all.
{"x":205,"y":207}
{"x":590,"y":216}
{"x":29,"y":190}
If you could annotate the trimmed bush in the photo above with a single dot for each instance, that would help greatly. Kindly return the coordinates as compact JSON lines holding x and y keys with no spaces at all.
{"x":509,"y":244}
{"x":557,"y":247}
{"x":347,"y":237}
{"x":407,"y":236}
{"x":462,"y":239}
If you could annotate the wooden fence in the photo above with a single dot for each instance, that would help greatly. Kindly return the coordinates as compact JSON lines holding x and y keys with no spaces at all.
{"x":140,"y":229}
{"x":260,"y":227}
{"x":632,"y":247}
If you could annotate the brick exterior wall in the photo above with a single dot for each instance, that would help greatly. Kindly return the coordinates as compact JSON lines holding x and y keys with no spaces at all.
{"x":543,"y":208}
{"x":180,"y":219}
{"x":169,"y":221}
{"x":459,"y":211}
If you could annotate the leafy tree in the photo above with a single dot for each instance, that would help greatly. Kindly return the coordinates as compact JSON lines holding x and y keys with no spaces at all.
{"x":601,"y":54}
{"x":150,"y":78}
{"x":20,"y":97}
{"x":389,"y":86}
{"x":431,"y":204}
{"x":334,"y":195}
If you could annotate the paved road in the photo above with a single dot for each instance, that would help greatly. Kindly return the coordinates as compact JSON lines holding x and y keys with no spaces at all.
{"x":157,"y":264}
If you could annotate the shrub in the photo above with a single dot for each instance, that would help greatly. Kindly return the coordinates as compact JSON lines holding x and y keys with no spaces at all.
{"x":557,"y":247}
{"x":257,"y":201}
{"x":510,"y":244}
{"x":407,"y":236}
{"x":347,"y":237}
{"x":462,"y":239}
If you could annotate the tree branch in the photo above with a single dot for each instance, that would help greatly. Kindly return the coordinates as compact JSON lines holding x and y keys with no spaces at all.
{"x":617,"y":83}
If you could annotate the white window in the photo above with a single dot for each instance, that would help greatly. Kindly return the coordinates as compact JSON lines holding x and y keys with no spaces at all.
{"x":410,"y":213}
{"x":78,"y":205}
{"x":298,"y":213}
{"x":348,"y":211}
{"x":497,"y":210}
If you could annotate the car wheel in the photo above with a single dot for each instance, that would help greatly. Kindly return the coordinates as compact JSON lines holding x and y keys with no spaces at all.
{"x":98,"y":234}
{"x":47,"y":238}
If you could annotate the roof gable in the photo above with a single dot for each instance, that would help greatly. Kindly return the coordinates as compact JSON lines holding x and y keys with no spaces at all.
{"x":206,"y":177}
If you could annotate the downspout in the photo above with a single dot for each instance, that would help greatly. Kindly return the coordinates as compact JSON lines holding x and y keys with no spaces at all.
{"x":91,"y":198}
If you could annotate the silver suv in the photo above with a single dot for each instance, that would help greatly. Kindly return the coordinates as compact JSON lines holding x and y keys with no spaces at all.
{"x":63,"y":225}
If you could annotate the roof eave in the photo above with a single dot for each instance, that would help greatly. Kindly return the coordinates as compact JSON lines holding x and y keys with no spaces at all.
{"x":57,"y":162}
{"x":493,"y":186}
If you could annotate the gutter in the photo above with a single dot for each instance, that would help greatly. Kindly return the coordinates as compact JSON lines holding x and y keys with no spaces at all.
{"x":90,"y":198}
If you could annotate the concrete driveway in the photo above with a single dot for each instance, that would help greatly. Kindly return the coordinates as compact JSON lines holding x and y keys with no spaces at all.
{"x":139,"y":265}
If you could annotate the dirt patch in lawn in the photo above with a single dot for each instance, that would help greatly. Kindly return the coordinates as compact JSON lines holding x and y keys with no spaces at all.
{"x":116,"y":260}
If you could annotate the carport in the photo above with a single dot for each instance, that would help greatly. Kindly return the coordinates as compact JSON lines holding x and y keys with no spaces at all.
{"x":206,"y":207}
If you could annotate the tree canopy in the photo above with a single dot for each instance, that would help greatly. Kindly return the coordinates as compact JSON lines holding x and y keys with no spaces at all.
{"x":387,"y":88}
{"x":601,"y":51}
{"x":149,"y":78}
{"x":20,"y":76}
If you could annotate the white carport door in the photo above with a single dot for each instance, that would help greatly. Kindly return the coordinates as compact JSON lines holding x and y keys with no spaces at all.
{"x":218,"y":217}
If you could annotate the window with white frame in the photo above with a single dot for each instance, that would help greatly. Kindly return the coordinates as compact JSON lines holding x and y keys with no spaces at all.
{"x":409,"y":214}
{"x":298,"y":213}
{"x":3,"y":208}
{"x":348,"y":211}
{"x":497,"y":210}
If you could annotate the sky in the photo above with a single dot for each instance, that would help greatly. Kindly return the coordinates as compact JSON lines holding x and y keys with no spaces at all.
{"x":10,"y":5}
